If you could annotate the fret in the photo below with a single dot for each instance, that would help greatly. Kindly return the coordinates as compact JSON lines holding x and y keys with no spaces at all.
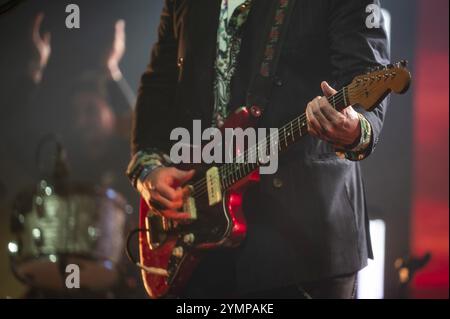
{"x":299,"y":125}
{"x":285,"y":138}
{"x":222,"y":180}
{"x":239,"y":171}
{"x":345,"y":98}
{"x":233,"y":172}
{"x":246,"y":167}
{"x":227,"y":174}
{"x":292,"y":132}
{"x":333,"y":102}
{"x":224,"y":176}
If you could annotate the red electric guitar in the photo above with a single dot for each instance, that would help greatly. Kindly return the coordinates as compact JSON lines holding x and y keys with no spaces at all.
{"x":170,"y":251}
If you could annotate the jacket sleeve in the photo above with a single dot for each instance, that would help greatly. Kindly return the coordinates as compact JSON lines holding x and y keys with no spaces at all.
{"x":152,"y":116}
{"x":355,"y":47}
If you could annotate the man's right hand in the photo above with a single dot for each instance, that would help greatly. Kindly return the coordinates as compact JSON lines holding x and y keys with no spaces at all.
{"x":164,"y":187}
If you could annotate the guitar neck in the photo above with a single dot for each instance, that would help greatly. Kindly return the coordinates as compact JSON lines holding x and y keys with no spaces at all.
{"x":288,"y":135}
{"x":298,"y":127}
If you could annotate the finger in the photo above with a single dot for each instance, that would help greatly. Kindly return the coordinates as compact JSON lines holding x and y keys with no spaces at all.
{"x":183,"y":176}
{"x":331,"y":114}
{"x":313,"y":124}
{"x":38,"y":21}
{"x":313,"y":132}
{"x":325,"y":127}
{"x":171,"y":214}
{"x":37,"y":26}
{"x":120,"y":25}
{"x":169,"y":192}
{"x":327,"y":89}
{"x":120,"y":32}
{"x":187,"y":191}
{"x":156,"y":197}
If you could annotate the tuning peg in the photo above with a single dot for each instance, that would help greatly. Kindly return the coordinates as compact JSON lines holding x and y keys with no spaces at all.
{"x":404,"y":63}
{"x":390,"y":66}
{"x":373,"y":69}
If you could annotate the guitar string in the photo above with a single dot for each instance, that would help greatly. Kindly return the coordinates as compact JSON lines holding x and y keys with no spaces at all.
{"x":228,"y":170}
{"x":295,"y":127}
{"x":231,"y":172}
{"x":296,"y":124}
{"x":338,"y":97}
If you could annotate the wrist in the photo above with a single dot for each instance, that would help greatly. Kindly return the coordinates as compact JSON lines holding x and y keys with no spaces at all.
{"x":143,"y":164}
{"x":36,"y":73}
{"x":357,"y":140}
{"x":362,"y":149}
{"x":356,"y":137}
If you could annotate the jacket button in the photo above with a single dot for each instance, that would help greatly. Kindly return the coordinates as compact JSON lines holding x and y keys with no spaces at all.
{"x":180,"y":62}
{"x":277,"y":183}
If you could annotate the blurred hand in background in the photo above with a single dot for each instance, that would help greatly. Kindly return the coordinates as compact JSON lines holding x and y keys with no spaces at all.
{"x":117,"y":51}
{"x":41,"y":49}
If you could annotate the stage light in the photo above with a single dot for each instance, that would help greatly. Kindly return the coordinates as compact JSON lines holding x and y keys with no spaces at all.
{"x":371,"y":278}
{"x":13,"y":248}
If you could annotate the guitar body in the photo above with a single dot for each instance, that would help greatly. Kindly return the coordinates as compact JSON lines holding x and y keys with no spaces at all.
{"x":177,"y":246}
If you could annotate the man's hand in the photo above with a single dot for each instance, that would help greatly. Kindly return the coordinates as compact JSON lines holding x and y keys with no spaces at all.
{"x":342,"y":129}
{"x":164,"y":187}
{"x":42,"y":49}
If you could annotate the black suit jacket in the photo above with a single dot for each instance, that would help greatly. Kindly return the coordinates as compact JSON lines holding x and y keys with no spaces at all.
{"x":309,"y":220}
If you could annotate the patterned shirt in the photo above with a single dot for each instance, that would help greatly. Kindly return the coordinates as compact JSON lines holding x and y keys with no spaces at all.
{"x":233,"y":15}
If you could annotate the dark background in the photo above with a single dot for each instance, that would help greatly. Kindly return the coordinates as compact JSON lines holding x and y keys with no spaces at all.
{"x":388,"y":173}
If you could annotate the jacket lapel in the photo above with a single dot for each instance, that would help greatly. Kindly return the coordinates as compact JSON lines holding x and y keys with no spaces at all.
{"x":203,"y":24}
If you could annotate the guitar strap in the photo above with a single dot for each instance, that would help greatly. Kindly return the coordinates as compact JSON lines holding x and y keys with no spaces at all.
{"x":276,"y":30}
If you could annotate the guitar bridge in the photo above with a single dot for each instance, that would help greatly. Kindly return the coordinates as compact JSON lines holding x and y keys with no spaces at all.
{"x":214,"y":186}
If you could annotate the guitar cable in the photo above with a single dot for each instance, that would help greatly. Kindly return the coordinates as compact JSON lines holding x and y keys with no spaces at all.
{"x":151,"y":270}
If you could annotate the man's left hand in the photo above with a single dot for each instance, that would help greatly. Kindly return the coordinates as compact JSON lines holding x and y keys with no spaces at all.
{"x":342,"y":129}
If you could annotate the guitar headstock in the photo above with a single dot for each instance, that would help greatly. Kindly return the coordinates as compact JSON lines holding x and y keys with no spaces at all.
{"x":370,"y":89}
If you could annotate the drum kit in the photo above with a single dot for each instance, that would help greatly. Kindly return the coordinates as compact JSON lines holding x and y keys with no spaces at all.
{"x":57,"y":224}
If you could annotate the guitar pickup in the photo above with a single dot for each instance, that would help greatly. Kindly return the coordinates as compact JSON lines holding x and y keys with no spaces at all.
{"x":214,"y":186}
{"x":189,"y":203}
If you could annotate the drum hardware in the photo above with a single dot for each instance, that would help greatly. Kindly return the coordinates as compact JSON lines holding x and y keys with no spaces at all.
{"x":58,"y":222}
{"x":151,"y":270}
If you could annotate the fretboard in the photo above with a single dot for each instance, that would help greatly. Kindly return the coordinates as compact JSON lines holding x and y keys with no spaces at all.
{"x":288,"y":135}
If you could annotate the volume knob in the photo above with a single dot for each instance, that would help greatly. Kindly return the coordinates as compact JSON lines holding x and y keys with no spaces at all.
{"x":178,"y":252}
{"x":189,"y":239}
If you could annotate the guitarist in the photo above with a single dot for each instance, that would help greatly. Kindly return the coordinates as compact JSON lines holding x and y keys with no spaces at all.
{"x":308,"y":230}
